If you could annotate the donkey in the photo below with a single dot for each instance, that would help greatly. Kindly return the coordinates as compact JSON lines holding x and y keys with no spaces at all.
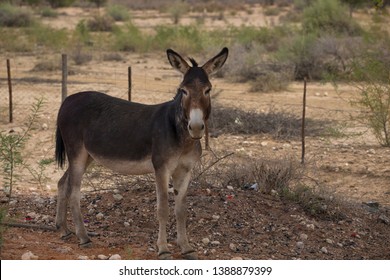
{"x":133,"y":138}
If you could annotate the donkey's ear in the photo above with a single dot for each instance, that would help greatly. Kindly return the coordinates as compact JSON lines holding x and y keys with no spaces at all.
{"x":214,"y":64}
{"x":177,"y":61}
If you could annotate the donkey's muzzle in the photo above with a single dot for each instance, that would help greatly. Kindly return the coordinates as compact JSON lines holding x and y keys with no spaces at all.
{"x":196,"y":126}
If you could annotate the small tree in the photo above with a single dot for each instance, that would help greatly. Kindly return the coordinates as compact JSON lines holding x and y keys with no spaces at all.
{"x":371,"y":76}
{"x":11,"y":147}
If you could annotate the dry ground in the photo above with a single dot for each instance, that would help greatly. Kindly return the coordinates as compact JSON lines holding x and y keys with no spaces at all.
{"x":343,"y":160}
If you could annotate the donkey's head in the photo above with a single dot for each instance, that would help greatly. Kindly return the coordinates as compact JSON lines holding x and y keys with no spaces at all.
{"x":195,"y":89}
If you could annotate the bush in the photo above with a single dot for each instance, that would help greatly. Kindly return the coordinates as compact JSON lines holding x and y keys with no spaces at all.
{"x":130,"y":38}
{"x":273,"y":76}
{"x":48,"y":12}
{"x":371,"y":76}
{"x":278,"y":124}
{"x":177,"y":10}
{"x":118,"y":12}
{"x":100,"y":23}
{"x":11,"y":16}
{"x":329,"y":16}
{"x":45,"y":36}
{"x":185,"y":39}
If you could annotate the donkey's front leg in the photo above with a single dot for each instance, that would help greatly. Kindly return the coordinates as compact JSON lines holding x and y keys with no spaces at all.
{"x":162,"y":178}
{"x":181,"y":178}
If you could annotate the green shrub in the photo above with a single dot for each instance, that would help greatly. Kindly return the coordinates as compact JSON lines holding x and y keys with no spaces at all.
{"x":298,"y":51}
{"x":177,"y":9}
{"x":118,"y":12}
{"x":186,"y":39}
{"x":42,"y":35}
{"x":329,"y":16}
{"x":100,"y":23}
{"x":48,"y":12}
{"x":12,"y":16}
{"x":268,"y":37}
{"x":130,"y":38}
{"x":371,"y":76}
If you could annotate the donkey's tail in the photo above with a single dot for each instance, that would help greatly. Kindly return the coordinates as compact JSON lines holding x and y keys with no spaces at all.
{"x":60,"y":149}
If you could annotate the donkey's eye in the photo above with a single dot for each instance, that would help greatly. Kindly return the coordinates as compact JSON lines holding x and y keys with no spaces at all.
{"x":207,"y":92}
{"x":183,"y":91}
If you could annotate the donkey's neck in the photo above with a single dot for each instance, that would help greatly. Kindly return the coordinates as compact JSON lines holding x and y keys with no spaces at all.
{"x":180,"y":121}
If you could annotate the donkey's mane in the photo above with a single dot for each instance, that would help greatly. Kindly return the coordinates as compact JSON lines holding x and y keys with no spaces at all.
{"x":194,"y":63}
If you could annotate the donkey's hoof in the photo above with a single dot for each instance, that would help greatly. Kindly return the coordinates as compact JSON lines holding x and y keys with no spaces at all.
{"x":85,"y":245}
{"x":190,"y":255}
{"x":165,"y":255}
{"x":67,"y":236}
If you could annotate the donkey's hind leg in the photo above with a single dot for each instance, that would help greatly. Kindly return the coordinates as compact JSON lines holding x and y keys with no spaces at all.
{"x":76,"y":171}
{"x":62,"y":205}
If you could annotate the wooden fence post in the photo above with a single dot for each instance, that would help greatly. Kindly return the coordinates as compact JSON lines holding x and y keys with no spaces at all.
{"x":10,"y":90}
{"x":64,"y":76}
{"x":130,"y":82}
{"x":303,"y":120}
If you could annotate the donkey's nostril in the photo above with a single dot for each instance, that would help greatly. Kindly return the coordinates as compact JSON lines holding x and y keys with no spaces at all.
{"x":189,"y":126}
{"x":202,"y":126}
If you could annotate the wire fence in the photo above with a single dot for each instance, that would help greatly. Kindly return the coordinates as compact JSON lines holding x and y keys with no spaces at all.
{"x":148,"y":84}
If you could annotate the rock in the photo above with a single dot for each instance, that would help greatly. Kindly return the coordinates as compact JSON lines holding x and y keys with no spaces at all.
{"x":384,"y":219}
{"x":264,"y":144}
{"x":254,"y":187}
{"x":115,"y":257}
{"x":81,"y":257}
{"x":371,"y":152}
{"x":39,"y":200}
{"x":32,"y":215}
{"x":44,"y":126}
{"x":303,"y":236}
{"x":64,"y":250}
{"x":215,"y":243}
{"x":216,"y":217}
{"x":329,"y":241}
{"x":91,"y":211}
{"x":233,"y":247}
{"x":230,"y":188}
{"x":99,"y":216}
{"x":29,"y":256}
{"x":237,"y":258}
{"x":324,"y":250}
{"x":117,"y":197}
{"x":102,"y":257}
{"x":126,"y":224}
{"x":205,"y":241}
{"x":372,"y":204}
{"x":213,"y":251}
{"x":300,"y":245}
{"x":310,"y":226}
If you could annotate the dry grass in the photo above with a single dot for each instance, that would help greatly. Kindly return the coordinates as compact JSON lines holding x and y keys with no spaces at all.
{"x":278,"y":124}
